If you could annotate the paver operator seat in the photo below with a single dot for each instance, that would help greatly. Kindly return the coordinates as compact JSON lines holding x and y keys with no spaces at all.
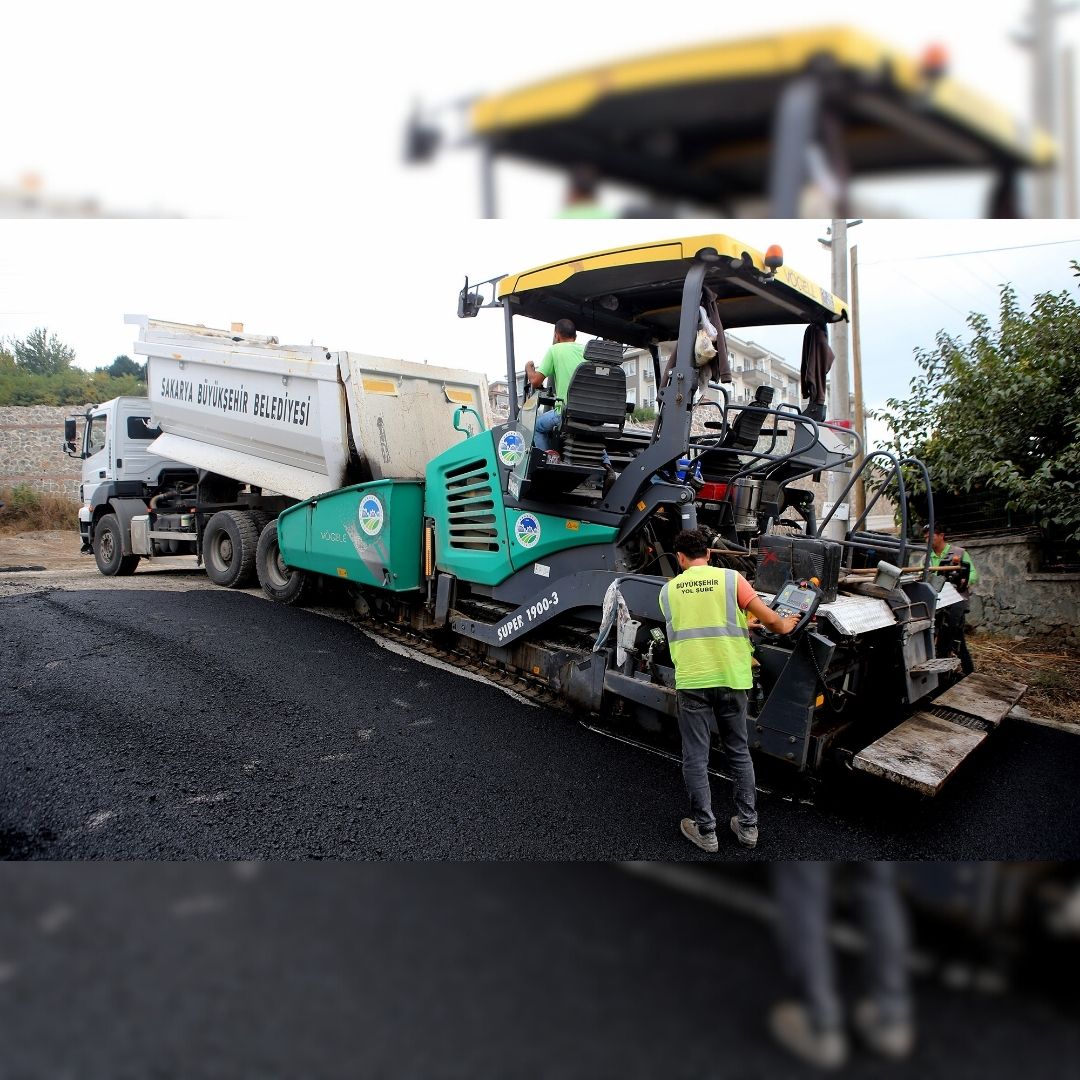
{"x":595,"y":406}
{"x":594,"y":410}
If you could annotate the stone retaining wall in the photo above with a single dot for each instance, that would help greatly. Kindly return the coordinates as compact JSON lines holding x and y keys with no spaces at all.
{"x":1013,"y":595}
{"x":30,"y":453}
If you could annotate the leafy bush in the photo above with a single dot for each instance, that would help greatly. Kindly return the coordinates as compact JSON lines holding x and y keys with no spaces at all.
{"x":24,"y":499}
{"x":645,"y":414}
{"x":70,"y":387}
{"x":26,"y":510}
{"x":998,"y":413}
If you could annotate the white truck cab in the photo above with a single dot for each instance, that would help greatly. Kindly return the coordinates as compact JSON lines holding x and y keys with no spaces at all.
{"x":116,"y":456}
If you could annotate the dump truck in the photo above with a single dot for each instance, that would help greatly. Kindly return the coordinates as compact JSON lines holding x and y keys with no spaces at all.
{"x":238,"y":427}
{"x":542,"y":573}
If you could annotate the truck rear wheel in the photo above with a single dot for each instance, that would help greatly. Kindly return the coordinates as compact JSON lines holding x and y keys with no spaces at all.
{"x":261,"y":518}
{"x":109,"y":549}
{"x":229,"y":544}
{"x":278,"y":581}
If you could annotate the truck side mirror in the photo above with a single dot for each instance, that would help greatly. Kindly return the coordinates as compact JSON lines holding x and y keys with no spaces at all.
{"x":469,"y":303}
{"x":70,"y":432}
{"x":422,"y":140}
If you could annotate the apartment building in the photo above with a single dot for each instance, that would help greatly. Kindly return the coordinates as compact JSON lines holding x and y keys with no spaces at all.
{"x":752,"y":365}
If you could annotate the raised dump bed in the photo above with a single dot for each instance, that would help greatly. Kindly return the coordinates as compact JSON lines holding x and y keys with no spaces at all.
{"x":298,"y":420}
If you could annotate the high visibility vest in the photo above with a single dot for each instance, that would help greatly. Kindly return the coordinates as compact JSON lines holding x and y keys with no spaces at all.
{"x":706,"y":629}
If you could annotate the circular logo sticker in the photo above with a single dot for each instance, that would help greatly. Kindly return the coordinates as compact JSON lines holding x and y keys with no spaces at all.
{"x":527,"y":530}
{"x":371,"y":515}
{"x":511,"y":448}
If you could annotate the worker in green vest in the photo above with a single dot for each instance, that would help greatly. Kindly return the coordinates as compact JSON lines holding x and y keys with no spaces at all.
{"x":706,"y":611}
{"x":581,"y":200}
{"x":950,"y":621}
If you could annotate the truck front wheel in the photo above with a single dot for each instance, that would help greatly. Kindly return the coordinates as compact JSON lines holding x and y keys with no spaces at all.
{"x":109,"y":549}
{"x":229,"y":543}
{"x":278,"y":581}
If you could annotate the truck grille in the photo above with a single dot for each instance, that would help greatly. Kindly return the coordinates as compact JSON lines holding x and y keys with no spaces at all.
{"x":470,"y":508}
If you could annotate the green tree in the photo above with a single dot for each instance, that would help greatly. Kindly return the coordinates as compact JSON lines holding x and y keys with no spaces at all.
{"x":997,"y":413}
{"x":42,"y":353}
{"x":124,"y":365}
{"x":7,"y":358}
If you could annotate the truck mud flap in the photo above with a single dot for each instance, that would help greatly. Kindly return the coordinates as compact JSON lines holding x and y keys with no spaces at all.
{"x":926,"y":749}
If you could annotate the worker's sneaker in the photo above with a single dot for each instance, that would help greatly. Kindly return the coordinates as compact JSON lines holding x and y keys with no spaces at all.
{"x":893,"y":1039}
{"x":706,"y":841}
{"x":745,"y":834}
{"x":790,"y":1025}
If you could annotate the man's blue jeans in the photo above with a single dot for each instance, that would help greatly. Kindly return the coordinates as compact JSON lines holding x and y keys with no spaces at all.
{"x":804,"y":894}
{"x":700,"y":713}
{"x":546,"y":432}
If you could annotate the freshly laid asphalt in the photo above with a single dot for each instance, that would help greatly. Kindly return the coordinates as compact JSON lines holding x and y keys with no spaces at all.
{"x":139,"y":723}
{"x":338,"y":970}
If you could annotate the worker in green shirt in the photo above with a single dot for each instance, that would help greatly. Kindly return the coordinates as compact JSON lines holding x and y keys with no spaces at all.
{"x":559,"y":363}
{"x":950,"y":628}
{"x":581,"y":200}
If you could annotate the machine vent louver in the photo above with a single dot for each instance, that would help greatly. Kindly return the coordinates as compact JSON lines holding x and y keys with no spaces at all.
{"x":470,"y":507}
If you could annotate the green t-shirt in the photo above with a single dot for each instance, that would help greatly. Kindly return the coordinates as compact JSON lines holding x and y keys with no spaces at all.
{"x":585,"y":210}
{"x":561,"y":361}
{"x":946,"y":556}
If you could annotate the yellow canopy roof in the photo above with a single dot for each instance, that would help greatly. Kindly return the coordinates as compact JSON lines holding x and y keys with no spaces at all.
{"x":633,"y":294}
{"x":708,"y":112}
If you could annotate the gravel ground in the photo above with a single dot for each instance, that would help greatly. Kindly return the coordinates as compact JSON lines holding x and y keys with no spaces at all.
{"x":142,"y":724}
{"x":439,"y":971}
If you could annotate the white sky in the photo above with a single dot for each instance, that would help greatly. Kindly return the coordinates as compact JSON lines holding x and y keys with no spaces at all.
{"x":272,"y":109}
{"x":376,"y":288}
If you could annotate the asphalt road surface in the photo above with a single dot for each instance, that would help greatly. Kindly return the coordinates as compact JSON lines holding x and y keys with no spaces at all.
{"x":338,"y":970}
{"x":157,"y":719}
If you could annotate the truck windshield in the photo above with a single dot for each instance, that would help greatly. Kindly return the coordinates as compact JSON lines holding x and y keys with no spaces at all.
{"x":95,"y":439}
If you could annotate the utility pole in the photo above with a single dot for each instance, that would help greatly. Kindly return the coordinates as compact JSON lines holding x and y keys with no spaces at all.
{"x":1040,"y":38}
{"x":839,"y":406}
{"x":1068,"y":126}
{"x":858,"y":492}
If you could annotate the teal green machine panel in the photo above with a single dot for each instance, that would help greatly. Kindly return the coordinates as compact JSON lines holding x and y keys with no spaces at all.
{"x":369,"y":533}
{"x":477,"y":537}
{"x":534,"y":537}
{"x":464,"y":501}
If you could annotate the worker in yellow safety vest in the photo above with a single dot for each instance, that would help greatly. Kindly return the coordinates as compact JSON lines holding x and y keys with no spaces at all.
{"x":706,"y":611}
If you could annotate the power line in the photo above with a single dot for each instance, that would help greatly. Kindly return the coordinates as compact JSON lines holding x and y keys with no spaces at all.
{"x":933,"y":296}
{"x":979,"y":251}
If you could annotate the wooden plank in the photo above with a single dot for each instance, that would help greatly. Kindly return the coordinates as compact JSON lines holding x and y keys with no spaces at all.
{"x":983,"y":696}
{"x":921,"y":753}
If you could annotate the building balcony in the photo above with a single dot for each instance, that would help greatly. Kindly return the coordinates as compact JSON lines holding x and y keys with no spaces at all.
{"x":754,"y":377}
